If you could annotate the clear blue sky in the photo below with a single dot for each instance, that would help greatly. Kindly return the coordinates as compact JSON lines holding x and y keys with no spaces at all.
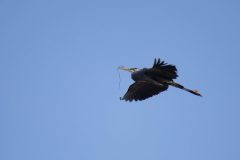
{"x":59,"y":93}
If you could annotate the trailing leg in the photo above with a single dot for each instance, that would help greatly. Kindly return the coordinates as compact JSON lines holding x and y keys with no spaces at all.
{"x":174,"y":84}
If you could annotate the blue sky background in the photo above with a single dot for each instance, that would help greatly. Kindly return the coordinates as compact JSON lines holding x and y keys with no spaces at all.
{"x":59,"y":93}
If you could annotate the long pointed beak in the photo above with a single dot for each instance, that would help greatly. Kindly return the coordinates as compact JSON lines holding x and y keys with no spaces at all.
{"x":124,"y":68}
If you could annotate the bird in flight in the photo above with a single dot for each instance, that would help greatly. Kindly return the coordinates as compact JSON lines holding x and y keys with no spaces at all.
{"x":152,"y":81}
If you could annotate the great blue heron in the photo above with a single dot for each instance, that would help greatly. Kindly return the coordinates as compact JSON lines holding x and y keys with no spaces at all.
{"x":152,"y":81}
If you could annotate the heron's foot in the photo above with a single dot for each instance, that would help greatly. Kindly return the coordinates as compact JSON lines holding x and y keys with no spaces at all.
{"x":196,"y":92}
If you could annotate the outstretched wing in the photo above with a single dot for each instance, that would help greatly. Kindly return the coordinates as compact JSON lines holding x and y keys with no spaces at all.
{"x":161,"y":70}
{"x":141,"y":90}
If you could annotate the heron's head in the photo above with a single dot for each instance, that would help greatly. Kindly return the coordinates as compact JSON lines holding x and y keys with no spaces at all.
{"x":131,"y":70}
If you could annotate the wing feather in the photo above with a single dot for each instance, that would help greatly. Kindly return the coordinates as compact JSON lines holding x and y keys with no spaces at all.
{"x":162,"y":70}
{"x":141,"y":90}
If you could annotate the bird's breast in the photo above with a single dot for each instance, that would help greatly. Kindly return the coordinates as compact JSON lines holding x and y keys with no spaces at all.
{"x":138,"y":76}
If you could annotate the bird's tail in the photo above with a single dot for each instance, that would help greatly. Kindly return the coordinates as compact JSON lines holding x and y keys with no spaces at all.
{"x":174,"y":84}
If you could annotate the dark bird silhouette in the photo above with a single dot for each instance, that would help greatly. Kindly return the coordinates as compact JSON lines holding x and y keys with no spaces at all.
{"x":152,"y":81}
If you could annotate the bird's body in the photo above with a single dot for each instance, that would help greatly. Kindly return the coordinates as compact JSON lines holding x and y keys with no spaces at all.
{"x":152,"y":81}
